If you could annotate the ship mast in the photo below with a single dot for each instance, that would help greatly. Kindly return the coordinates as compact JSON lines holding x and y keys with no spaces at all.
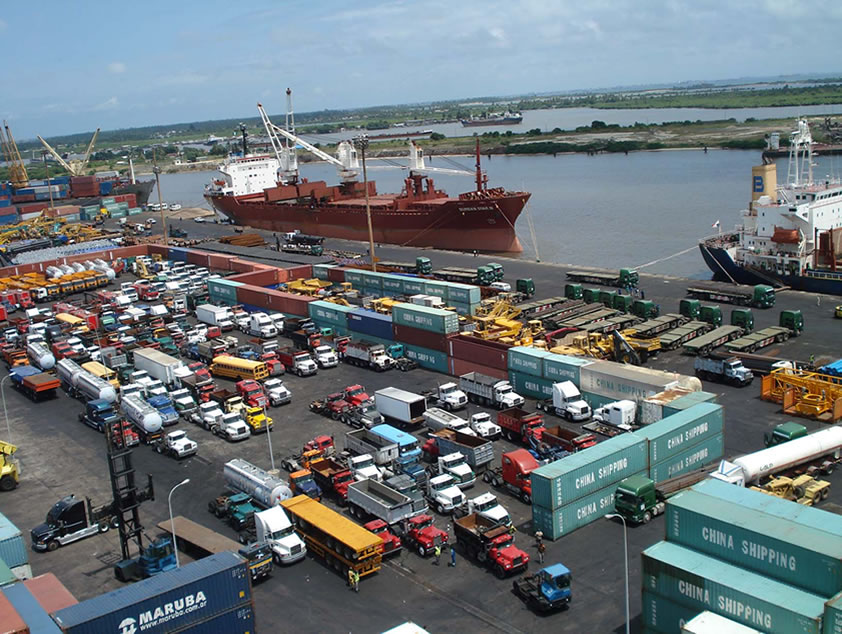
{"x":482,"y":180}
{"x":800,"y":168}
{"x":289,"y":163}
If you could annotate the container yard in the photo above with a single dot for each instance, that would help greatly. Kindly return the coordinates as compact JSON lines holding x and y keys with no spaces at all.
{"x":557,"y":471}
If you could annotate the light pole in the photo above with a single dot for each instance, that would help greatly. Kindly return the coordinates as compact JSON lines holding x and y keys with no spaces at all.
{"x":5,"y":412}
{"x":172,"y":521}
{"x":362,"y":145}
{"x":269,"y":437}
{"x":611,"y":516}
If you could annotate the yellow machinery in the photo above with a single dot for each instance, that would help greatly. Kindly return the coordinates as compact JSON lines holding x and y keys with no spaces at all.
{"x":143,"y":271}
{"x":11,"y":154}
{"x":804,"y":489}
{"x":312,"y":287}
{"x":9,"y":472}
{"x":383,"y":305}
{"x":803,"y":393}
{"x":615,"y":346}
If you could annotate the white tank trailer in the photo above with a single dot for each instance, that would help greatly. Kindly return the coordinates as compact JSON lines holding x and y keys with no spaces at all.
{"x":40,"y":356}
{"x":266,"y":489}
{"x":141,"y":414}
{"x":68,"y":370}
{"x":747,"y":469}
{"x":92,"y":387}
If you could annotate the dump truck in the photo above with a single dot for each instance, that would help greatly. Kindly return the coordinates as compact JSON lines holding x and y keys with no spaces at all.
{"x":567,"y":439}
{"x":298,"y":362}
{"x":624,"y":278}
{"x":362,"y":441}
{"x":438,"y":419}
{"x":759,"y":296}
{"x":371,"y":499}
{"x":332,"y":477}
{"x":478,"y":452}
{"x":421,"y":535}
{"x":368,"y":355}
{"x":729,"y":370}
{"x":489,"y":391}
{"x":519,"y":426}
{"x":490,"y":544}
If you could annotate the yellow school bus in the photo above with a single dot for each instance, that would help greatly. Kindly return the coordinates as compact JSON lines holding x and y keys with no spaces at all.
{"x":238,"y":369}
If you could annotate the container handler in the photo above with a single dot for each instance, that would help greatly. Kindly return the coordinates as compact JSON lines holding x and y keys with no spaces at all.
{"x":9,"y":470}
{"x":548,"y":589}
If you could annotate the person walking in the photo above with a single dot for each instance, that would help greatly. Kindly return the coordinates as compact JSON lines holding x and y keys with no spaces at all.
{"x":350,"y":578}
{"x":539,"y":538}
{"x":452,"y":563}
{"x":436,"y":555}
{"x":541,"y":550}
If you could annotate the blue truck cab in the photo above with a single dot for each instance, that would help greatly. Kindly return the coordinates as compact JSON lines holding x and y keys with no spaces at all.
{"x":98,"y":414}
{"x":547,"y":589}
{"x":165,"y":407}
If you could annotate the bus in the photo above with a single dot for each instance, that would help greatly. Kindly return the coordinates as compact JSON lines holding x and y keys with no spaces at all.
{"x":72,"y":321}
{"x":101,"y":372}
{"x":239,"y":369}
{"x":409,"y":449}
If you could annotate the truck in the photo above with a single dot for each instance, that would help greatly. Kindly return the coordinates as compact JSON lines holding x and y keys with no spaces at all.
{"x":566,"y":402}
{"x":277,"y":392}
{"x":759,"y":296}
{"x":438,"y":419}
{"x":803,"y":489}
{"x":490,"y":544}
{"x":176,"y":445}
{"x":793,"y":321}
{"x":257,"y":420}
{"x":40,"y":356}
{"x":676,"y":337}
{"x":363,"y":441}
{"x":231,"y":427}
{"x":200,"y":389}
{"x":638,"y":499}
{"x":252,"y":393}
{"x":757,"y":340}
{"x":165,"y":407}
{"x":343,"y":544}
{"x":484,"y":427}
{"x":273,"y":527}
{"x":486,"y":505}
{"x":400,"y":406}
{"x":489,"y":391}
{"x":207,"y":415}
{"x":478,"y":452}
{"x":455,"y":465}
{"x":513,"y":474}
{"x":298,"y":362}
{"x":33,"y":382}
{"x":333,"y":405}
{"x":367,"y":354}
{"x":9,"y":468}
{"x":260,"y":325}
{"x":421,"y":535}
{"x":448,"y":396}
{"x":703,"y":344}
{"x":567,"y":439}
{"x":265,"y":489}
{"x":548,"y":589}
{"x":421,"y":266}
{"x":302,"y":483}
{"x":183,"y":402}
{"x":215,"y":316}
{"x":730,"y":370}
{"x":228,"y":400}
{"x":443,"y":494}
{"x":369,"y":499}
{"x":518,"y":425}
{"x":163,"y":367}
{"x":619,"y":414}
{"x":325,"y":356}
{"x":363,"y":467}
{"x":145,"y":418}
{"x":304,"y":339}
{"x":235,"y":509}
{"x":815,"y":453}
{"x":333,"y":477}
{"x":624,"y":278}
{"x":99,"y":414}
{"x":72,"y":519}
{"x":784,"y":433}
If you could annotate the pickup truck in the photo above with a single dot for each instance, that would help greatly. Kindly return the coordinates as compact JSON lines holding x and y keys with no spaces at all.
{"x":490,"y":544}
{"x":277,"y":392}
{"x":176,"y":444}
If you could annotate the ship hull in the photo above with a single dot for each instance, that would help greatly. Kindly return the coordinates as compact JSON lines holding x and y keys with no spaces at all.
{"x":476,"y":123}
{"x":485,"y":225}
{"x":724,"y":268}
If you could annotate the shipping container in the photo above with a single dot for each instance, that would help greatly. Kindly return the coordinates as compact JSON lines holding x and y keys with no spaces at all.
{"x":422,"y":338}
{"x":527,"y":360}
{"x":35,"y":616}
{"x":6,"y":574}
{"x":433,"y":319}
{"x":685,"y":402}
{"x":711,"y":449}
{"x":771,"y":505}
{"x":434,"y":288}
{"x":13,"y":550}
{"x":354,"y":277}
{"x":240,"y":620}
{"x":797,"y":555}
{"x":832,"y":621}
{"x":50,"y":592}
{"x":223,"y":291}
{"x":10,"y":621}
{"x":428,"y":359}
{"x":618,"y":381}
{"x":561,"y":367}
{"x":368,"y":322}
{"x":476,"y":350}
{"x":320,"y":271}
{"x":675,"y":434}
{"x":589,"y":470}
{"x":652,"y":408}
{"x":167,"y":602}
{"x":667,"y":617}
{"x":704,"y":583}
{"x":563,"y":520}
{"x":393,"y":284}
{"x":8,"y":220}
{"x":458,"y":367}
{"x":463,"y":293}
{"x":464,"y":309}
{"x":531,"y":386}
{"x":329,"y":312}
{"x":413,"y":285}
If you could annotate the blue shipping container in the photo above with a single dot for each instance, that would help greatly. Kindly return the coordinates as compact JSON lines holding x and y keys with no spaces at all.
{"x":30,"y":610}
{"x":5,"y":202}
{"x":240,"y":620}
{"x":105,"y":187}
{"x":168,"y":602}
{"x":13,"y":551}
{"x":177,"y":254}
{"x":368,"y":322}
{"x":8,"y":220}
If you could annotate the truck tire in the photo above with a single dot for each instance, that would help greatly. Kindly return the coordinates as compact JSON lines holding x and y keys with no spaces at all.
{"x":7,"y":483}
{"x":103,"y":526}
{"x":647,"y":517}
{"x":52,"y":545}
{"x":486,"y":477}
{"x":496,"y":482}
{"x":526,"y":498}
{"x":499,"y":571}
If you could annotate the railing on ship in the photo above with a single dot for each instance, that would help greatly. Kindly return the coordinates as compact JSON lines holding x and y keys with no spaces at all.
{"x":823,"y":275}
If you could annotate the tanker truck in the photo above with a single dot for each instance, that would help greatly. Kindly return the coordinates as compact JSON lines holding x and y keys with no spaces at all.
{"x":818,"y":452}
{"x":265,"y":489}
{"x":68,"y":370}
{"x":145,"y":418}
{"x":89,"y":387}
{"x":40,"y":357}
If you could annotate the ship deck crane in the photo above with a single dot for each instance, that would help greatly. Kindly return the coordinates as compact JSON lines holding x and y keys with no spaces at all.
{"x":17,"y":169}
{"x":74,"y":168}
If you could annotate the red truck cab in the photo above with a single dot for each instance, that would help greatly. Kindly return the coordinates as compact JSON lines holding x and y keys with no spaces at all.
{"x":513,"y":473}
{"x":252,"y":393}
{"x":332,"y":476}
{"x":62,"y":350}
{"x":201,"y":371}
{"x":276,"y":368}
{"x":507,"y":557}
{"x":356,"y":395}
{"x":423,"y":536}
{"x":322,"y":443}
{"x":391,"y":542}
{"x":518,"y":424}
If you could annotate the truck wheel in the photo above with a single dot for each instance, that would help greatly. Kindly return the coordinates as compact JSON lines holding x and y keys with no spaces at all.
{"x":7,"y":483}
{"x":103,"y":526}
{"x":486,"y":477}
{"x":422,"y":551}
{"x":440,"y":508}
{"x":276,"y":558}
{"x":115,"y":522}
{"x":52,"y":545}
{"x":527,"y":499}
{"x":647,"y":517}
{"x":496,"y":482}
{"x":499,"y":571}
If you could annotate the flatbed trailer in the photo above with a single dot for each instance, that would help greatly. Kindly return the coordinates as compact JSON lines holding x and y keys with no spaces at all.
{"x":713,"y":339}
{"x":618,"y":322}
{"x":195,"y":539}
{"x":559,"y":319}
{"x":656,"y":326}
{"x":37,"y":386}
{"x":622,"y":278}
{"x":762,"y":364}
{"x":537,"y":307}
{"x":588,"y":318}
{"x":760,"y":339}
{"x":759,"y":296}
{"x":602,"y":429}
{"x":677,"y":337}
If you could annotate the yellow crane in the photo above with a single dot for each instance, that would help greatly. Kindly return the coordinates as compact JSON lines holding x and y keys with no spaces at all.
{"x":77,"y":167}
{"x":17,"y":169}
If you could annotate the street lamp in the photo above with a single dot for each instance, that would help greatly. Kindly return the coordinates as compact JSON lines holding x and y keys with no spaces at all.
{"x":5,"y":412}
{"x":172,"y":521}
{"x":611,"y":516}
{"x":361,"y":143}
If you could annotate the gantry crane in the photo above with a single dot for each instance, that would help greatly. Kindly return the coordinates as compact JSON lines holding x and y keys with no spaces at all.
{"x":74,"y":168}
{"x":17,"y":169}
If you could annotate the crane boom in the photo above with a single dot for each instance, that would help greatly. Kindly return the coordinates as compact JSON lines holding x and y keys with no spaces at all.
{"x":56,"y":156}
{"x":74,"y":168}
{"x":17,"y":169}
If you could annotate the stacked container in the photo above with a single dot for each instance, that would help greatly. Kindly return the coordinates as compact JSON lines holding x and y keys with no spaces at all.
{"x":329,"y":315}
{"x":222,"y":291}
{"x":472,"y":354}
{"x":13,"y":550}
{"x":435,"y":320}
{"x":370,"y":323}
{"x":687,"y":401}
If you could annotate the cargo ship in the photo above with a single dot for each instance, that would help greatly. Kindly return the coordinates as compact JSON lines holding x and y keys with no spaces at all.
{"x":790,"y":236}
{"x":506,"y":118}
{"x":266,"y":192}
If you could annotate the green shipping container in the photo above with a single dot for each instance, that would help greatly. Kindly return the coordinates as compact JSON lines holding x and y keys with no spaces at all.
{"x":436,"y":289}
{"x":688,"y":401}
{"x":320,"y":271}
{"x":133,"y":211}
{"x":757,"y":501}
{"x":597,"y":400}
{"x":697,"y":581}
{"x":354,"y":276}
{"x":223,"y":290}
{"x":464,"y":309}
{"x":463,"y":293}
{"x":6,"y":574}
{"x":673,"y":435}
{"x":660,"y":615}
{"x":799,"y":556}
{"x":588,"y":471}
{"x":329,"y":312}
{"x":108,"y":201}
{"x":531,"y":386}
{"x":563,"y":520}
{"x":527,"y":360}
{"x":832,"y":621}
{"x":562,"y":367}
{"x":711,"y":449}
{"x":393,"y":284}
{"x":413,"y":286}
{"x":429,"y":359}
{"x":432,"y":319}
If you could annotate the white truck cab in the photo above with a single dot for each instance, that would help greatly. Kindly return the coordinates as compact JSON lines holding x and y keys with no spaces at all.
{"x":489,"y":507}
{"x":277,"y":392}
{"x":619,"y":414}
{"x":326,"y":357}
{"x":232,"y":427}
{"x":484,"y":427}
{"x":455,"y":465}
{"x":364,"y":468}
{"x":273,"y":526}
{"x":451,"y":397}
{"x":179,"y":445}
{"x":443,"y":493}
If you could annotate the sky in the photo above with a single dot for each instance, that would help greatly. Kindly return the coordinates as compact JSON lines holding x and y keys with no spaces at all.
{"x":73,"y":66}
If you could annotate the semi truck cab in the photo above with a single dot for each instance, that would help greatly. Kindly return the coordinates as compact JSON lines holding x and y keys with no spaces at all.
{"x":455,"y":465}
{"x":784,"y":433}
{"x":443,"y":493}
{"x":273,"y":527}
{"x":547,"y":589}
{"x":70,"y":520}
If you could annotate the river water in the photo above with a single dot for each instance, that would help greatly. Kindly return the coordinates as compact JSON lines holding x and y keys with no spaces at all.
{"x":610,"y":210}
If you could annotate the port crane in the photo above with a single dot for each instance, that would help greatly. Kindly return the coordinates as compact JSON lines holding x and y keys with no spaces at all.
{"x":75,"y":167}
{"x":11,"y":154}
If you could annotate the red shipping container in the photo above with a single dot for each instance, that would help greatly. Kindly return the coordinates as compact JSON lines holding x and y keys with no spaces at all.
{"x":287,"y":302}
{"x":257,"y":278}
{"x":253,"y":295}
{"x":82,"y":179}
{"x":336,"y":275}
{"x":458,"y":367}
{"x":220,"y":262}
{"x":477,"y":350}
{"x":419,"y":337}
{"x":304,"y":271}
{"x":160,"y":249}
{"x":199,"y":258}
{"x":10,"y":620}
{"x":241,"y":266}
{"x":50,"y":592}
{"x":40,"y":206}
{"x":23,"y":198}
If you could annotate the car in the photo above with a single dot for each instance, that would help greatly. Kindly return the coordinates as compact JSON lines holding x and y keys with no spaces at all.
{"x":175,"y":207}
{"x":501,"y":286}
{"x":198,"y":219}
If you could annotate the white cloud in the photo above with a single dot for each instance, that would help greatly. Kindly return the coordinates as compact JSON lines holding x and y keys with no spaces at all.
{"x":117,"y":67}
{"x":108,"y":104}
